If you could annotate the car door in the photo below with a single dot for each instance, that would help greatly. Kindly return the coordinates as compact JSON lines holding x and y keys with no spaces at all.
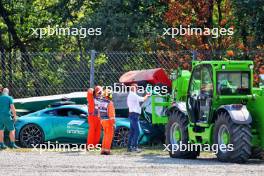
{"x":71,"y":125}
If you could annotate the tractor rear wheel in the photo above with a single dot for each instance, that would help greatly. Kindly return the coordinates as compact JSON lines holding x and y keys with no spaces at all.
{"x":233,"y":140}
{"x":177,"y":134}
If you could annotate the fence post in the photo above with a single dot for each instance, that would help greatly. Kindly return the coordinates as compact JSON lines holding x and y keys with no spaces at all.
{"x":194,"y":55}
{"x":92,"y":68}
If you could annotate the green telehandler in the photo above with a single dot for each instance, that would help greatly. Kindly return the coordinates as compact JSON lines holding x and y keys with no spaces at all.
{"x":214,"y":105}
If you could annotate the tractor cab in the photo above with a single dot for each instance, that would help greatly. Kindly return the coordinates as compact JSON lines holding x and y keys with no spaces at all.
{"x":214,"y":84}
{"x":200,"y":93}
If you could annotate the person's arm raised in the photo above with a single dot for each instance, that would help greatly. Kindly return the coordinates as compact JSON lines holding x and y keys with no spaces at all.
{"x":141,"y":99}
{"x":146,"y":96}
{"x":90,"y":101}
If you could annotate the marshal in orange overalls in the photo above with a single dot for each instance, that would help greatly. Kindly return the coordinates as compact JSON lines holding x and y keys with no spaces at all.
{"x":94,"y":133}
{"x":101,"y":112}
{"x":108,"y":126}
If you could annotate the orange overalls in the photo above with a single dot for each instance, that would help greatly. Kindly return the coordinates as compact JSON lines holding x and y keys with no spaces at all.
{"x":108,"y":126}
{"x":94,"y":133}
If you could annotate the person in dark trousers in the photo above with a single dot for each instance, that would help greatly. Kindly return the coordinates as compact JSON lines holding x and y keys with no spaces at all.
{"x":133,"y":103}
{"x":6,"y":122}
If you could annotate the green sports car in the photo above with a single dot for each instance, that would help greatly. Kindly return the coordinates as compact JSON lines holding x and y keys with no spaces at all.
{"x":68,"y":124}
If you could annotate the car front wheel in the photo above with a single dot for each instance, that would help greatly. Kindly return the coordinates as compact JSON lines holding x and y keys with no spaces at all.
{"x":31,"y":135}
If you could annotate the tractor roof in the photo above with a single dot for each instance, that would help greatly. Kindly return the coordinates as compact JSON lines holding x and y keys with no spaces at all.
{"x":228,"y":64}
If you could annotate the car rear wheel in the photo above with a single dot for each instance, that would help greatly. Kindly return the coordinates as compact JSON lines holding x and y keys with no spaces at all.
{"x":121,"y":137}
{"x":31,"y":135}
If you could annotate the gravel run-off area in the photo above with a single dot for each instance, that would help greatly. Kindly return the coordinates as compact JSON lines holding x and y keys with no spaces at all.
{"x":84,"y":163}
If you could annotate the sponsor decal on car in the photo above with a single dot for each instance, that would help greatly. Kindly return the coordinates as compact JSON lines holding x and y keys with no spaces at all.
{"x":72,"y":127}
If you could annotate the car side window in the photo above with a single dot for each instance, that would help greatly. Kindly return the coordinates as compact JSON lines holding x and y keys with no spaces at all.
{"x":62,"y":112}
{"x":69,"y":112}
{"x":66,"y":112}
{"x":51,"y":112}
{"x":74,"y":113}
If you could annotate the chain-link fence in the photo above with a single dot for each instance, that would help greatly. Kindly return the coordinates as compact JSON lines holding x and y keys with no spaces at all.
{"x":109,"y":66}
{"x":38,"y":74}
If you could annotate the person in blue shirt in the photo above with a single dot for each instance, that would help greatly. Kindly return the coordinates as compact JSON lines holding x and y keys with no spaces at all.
{"x":6,"y":121}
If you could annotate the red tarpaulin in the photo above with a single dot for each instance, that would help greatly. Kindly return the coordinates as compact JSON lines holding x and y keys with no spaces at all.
{"x":151,"y":76}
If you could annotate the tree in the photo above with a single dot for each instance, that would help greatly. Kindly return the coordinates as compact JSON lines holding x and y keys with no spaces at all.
{"x":127,"y":25}
{"x":250,"y":22}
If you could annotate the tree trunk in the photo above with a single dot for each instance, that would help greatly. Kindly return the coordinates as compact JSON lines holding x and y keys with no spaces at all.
{"x":219,"y":47}
{"x":27,"y":65}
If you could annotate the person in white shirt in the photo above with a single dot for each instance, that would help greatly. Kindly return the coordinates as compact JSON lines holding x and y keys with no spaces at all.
{"x":133,"y":103}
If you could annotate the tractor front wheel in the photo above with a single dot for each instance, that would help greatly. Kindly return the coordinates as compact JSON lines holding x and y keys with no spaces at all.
{"x":233,"y":140}
{"x":177,"y":134}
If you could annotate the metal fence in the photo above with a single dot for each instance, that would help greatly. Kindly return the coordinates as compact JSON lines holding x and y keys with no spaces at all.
{"x":38,"y":74}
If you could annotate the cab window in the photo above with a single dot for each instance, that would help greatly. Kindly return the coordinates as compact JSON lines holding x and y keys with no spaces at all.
{"x":206,"y":81}
{"x":195,"y":84}
{"x":233,"y":83}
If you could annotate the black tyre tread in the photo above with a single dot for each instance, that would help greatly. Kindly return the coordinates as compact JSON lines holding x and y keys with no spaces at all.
{"x":116,"y":131}
{"x":240,"y":136}
{"x":183,"y":123}
{"x":21,"y":144}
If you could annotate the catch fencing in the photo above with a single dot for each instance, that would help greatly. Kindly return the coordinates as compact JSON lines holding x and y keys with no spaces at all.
{"x":40,"y":74}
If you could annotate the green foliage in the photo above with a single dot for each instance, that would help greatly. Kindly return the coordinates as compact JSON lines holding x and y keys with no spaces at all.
{"x":127,"y":25}
{"x":250,"y":21}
